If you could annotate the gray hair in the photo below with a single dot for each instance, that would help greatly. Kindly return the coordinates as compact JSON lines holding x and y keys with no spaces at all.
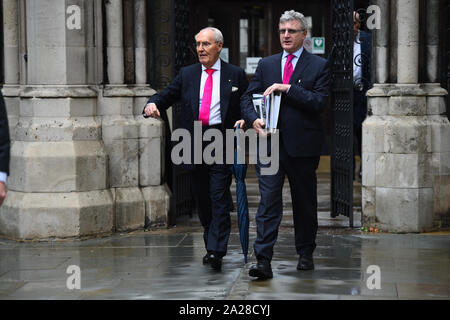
{"x":294,"y":15}
{"x":218,"y":37}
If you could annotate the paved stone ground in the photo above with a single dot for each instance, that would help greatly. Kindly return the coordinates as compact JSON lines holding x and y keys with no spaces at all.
{"x":166,"y":264}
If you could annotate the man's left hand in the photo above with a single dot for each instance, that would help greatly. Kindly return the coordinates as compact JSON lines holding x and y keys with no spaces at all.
{"x":2,"y":193}
{"x":277,"y":87}
{"x":241,"y":124}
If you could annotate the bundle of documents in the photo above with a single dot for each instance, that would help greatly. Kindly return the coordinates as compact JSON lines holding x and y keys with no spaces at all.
{"x":268,"y":108}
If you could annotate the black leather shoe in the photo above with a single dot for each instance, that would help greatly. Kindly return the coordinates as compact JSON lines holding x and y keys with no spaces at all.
{"x":305,"y":262}
{"x":215,"y":260}
{"x":206,"y":259}
{"x":261,"y":270}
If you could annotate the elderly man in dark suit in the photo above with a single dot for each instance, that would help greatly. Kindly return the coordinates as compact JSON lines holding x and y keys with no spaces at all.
{"x":209,"y":92}
{"x":4,"y":149}
{"x":303,"y":80}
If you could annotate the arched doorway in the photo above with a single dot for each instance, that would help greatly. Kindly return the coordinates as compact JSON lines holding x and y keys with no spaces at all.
{"x":249,"y":29}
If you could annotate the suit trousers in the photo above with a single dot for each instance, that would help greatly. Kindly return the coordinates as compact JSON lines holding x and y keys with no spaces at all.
{"x":301,"y":173}
{"x":211,"y":186}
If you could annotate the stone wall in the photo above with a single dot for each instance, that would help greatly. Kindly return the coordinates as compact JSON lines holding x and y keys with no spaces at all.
{"x":406,"y":136}
{"x":83,"y":160}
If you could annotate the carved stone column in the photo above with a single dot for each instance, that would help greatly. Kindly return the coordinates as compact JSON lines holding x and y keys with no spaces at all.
{"x":381,"y":44}
{"x":58,"y":187}
{"x":11,"y":62}
{"x":406,"y":143}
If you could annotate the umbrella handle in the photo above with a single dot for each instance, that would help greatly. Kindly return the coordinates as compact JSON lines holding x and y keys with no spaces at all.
{"x":236,"y":133}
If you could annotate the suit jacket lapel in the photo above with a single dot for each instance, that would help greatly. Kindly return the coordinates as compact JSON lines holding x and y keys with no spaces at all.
{"x":277,"y":70}
{"x":300,"y":66}
{"x":195,"y":98}
{"x":225,"y":90}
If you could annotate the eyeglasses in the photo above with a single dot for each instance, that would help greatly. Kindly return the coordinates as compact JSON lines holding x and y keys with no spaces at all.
{"x":205,"y":44}
{"x":291,"y":31}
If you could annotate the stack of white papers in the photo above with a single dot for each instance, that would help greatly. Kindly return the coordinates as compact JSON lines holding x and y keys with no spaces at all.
{"x":268,"y":108}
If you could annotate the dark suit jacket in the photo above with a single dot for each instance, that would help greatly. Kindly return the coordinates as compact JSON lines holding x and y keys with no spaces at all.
{"x":360,"y":99}
{"x":185,"y":88}
{"x":299,"y":120}
{"x":4,"y":137}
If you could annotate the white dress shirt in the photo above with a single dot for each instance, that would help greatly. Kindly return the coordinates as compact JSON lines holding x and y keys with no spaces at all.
{"x":3,"y":176}
{"x":214,"y":113}
{"x":357,"y":70}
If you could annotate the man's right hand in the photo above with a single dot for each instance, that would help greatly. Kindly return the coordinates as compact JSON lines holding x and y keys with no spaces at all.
{"x":259,"y":125}
{"x":151,"y":110}
{"x":2,"y":192}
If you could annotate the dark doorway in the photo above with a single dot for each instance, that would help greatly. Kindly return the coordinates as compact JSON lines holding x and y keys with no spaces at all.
{"x":250,"y":32}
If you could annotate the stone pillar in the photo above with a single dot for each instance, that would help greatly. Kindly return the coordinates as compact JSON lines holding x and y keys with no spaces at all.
{"x":408,"y":41}
{"x":11,"y":62}
{"x":11,"y":41}
{"x":406,"y":143}
{"x":58,"y":187}
{"x":151,"y":168}
{"x":120,"y":133}
{"x":393,"y":46}
{"x":140,"y":34}
{"x":440,"y":157}
{"x":397,"y":178}
{"x":120,"y":130}
{"x":114,"y":25}
{"x":382,"y":44}
{"x":151,"y":131}
{"x":432,"y":40}
{"x":23,"y":58}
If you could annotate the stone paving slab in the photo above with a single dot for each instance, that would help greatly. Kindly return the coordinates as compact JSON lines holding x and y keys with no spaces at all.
{"x":166,"y":264}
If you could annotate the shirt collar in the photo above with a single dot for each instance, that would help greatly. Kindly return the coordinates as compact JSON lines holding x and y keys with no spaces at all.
{"x":216,"y":66}
{"x":297,"y":53}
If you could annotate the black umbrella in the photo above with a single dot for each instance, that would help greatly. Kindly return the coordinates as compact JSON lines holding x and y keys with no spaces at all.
{"x":239,"y":172}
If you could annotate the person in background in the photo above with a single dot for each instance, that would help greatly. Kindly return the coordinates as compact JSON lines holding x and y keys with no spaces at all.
{"x":4,"y":149}
{"x":361,"y":82}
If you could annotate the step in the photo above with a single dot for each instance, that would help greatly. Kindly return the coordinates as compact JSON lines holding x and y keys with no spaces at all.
{"x":324,"y":219}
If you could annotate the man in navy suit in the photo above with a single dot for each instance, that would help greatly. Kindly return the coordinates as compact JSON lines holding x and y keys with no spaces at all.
{"x":209,"y":92}
{"x":303,"y":80}
{"x":4,"y":149}
{"x":362,"y":56}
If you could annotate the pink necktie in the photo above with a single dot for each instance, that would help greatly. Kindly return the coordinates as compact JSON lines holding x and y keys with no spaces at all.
{"x":206,"y":99}
{"x":288,"y":69}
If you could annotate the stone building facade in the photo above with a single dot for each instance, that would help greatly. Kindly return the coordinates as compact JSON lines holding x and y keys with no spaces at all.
{"x":406,"y":136}
{"x":84,"y":162}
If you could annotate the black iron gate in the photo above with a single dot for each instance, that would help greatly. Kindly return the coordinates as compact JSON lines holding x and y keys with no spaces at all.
{"x":447,"y":46}
{"x":342,"y":108}
{"x":182,"y":200}
{"x":171,"y":49}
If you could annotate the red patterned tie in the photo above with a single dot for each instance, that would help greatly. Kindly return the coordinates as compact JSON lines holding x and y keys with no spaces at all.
{"x":288,"y":69}
{"x":206,"y":99}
